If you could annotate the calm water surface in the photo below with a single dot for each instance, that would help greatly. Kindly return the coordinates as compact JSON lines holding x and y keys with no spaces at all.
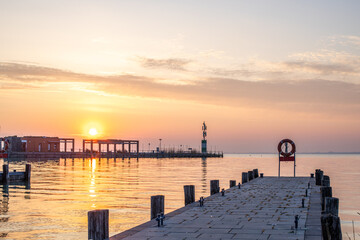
{"x":62,"y":191}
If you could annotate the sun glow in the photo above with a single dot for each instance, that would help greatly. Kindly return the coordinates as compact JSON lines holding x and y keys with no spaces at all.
{"x":93,"y":131}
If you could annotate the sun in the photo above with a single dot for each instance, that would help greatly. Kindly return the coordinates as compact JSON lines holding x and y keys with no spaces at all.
{"x":93,"y":131}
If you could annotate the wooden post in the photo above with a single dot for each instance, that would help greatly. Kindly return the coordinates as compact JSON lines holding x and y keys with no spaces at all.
{"x":189,"y":192}
{"x":251,"y":175}
{"x":256,"y":173}
{"x":214,"y":187}
{"x":65,"y":145}
{"x":98,"y":224}
{"x":332,"y":206}
{"x":73,"y":145}
{"x":318,"y":176}
{"x":232,"y":183}
{"x":311,"y":175}
{"x":325,"y":192}
{"x":157,"y":205}
{"x":5,"y":176}
{"x":244,"y":177}
{"x":325,"y":181}
{"x":27,"y":173}
{"x":330,"y":226}
{"x":83,"y":145}
{"x":261,"y":175}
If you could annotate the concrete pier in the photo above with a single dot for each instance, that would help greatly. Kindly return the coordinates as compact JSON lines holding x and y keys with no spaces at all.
{"x":264,"y":208}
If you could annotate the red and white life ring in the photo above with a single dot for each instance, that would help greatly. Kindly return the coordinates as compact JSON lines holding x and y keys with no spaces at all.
{"x":293,"y":148}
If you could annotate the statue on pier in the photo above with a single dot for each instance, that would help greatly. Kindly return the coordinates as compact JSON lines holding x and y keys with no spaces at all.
{"x":204,"y":141}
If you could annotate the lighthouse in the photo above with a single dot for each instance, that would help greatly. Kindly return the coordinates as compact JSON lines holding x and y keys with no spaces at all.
{"x":204,"y":141}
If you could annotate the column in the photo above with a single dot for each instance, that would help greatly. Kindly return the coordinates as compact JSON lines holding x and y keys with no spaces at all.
{"x":83,"y":145}
{"x":65,"y":145}
{"x":107,"y":147}
{"x":73,"y":145}
{"x":91,"y":146}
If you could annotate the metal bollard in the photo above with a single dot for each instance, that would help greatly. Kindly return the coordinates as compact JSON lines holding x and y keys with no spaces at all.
{"x":223,"y":192}
{"x":239,"y":185}
{"x":303,"y":203}
{"x":296,"y":221}
{"x":160,"y":219}
{"x":201,"y":201}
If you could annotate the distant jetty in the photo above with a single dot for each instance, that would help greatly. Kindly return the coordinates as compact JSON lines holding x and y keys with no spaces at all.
{"x":163,"y":154}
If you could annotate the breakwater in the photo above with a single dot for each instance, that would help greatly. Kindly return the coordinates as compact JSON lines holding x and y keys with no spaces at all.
{"x":51,"y":155}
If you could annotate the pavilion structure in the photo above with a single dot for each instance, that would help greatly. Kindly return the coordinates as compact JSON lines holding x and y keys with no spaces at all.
{"x":65,"y":141}
{"x":124,"y":144}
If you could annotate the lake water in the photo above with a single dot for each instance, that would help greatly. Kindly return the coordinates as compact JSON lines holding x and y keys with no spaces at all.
{"x":63,"y":191}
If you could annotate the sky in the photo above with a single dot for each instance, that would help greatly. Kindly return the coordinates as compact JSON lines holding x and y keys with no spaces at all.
{"x":255,"y":71}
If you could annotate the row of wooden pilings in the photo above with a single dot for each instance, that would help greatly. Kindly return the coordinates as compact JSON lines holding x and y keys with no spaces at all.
{"x":98,"y":220}
{"x":330,"y":221}
{"x":8,"y":177}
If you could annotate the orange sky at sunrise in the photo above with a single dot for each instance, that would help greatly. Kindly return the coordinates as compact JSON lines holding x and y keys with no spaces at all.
{"x":134,"y":71}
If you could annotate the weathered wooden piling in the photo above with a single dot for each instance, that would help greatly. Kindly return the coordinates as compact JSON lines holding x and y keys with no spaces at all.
{"x":214,"y":187}
{"x":157,"y":205}
{"x":330,"y":226}
{"x":318,"y":176}
{"x":5,"y":174}
{"x":250,"y":175}
{"x":325,"y":181}
{"x":325,"y":192}
{"x":189,"y":192}
{"x":28,"y":173}
{"x":261,"y":175}
{"x":98,"y":224}
{"x":232,"y":183}
{"x":256,"y":173}
{"x":244,"y":177}
{"x":332,"y":206}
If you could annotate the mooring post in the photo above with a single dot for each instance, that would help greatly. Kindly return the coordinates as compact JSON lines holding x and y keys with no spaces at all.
{"x":5,"y":176}
{"x":303,"y":202}
{"x":214,"y":187}
{"x":157,"y":205}
{"x":256,"y":173}
{"x":244,"y":177}
{"x":27,"y":173}
{"x":189,"y":192}
{"x":318,"y":176}
{"x":239,"y":185}
{"x":325,"y":192}
{"x":325,"y":181}
{"x":261,"y":175}
{"x":98,"y":224}
{"x":330,"y":226}
{"x":311,"y":175}
{"x":251,"y":175}
{"x":332,"y":206}
{"x":232,"y":183}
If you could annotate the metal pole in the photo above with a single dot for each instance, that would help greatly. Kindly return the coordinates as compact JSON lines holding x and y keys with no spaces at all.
{"x":294,"y":164}
{"x":279,"y":166}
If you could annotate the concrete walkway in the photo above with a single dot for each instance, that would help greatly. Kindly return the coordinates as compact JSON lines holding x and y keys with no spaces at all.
{"x":263,"y":208}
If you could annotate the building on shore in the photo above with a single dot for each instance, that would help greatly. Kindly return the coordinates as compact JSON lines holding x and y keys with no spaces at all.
{"x":35,"y":144}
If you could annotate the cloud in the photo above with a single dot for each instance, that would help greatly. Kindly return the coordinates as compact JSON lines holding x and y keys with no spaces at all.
{"x":311,"y":95}
{"x":177,"y":64}
{"x":323,"y":68}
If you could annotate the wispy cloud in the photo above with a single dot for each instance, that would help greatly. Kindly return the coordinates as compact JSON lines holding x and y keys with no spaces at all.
{"x":169,"y":64}
{"x":311,"y":95}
